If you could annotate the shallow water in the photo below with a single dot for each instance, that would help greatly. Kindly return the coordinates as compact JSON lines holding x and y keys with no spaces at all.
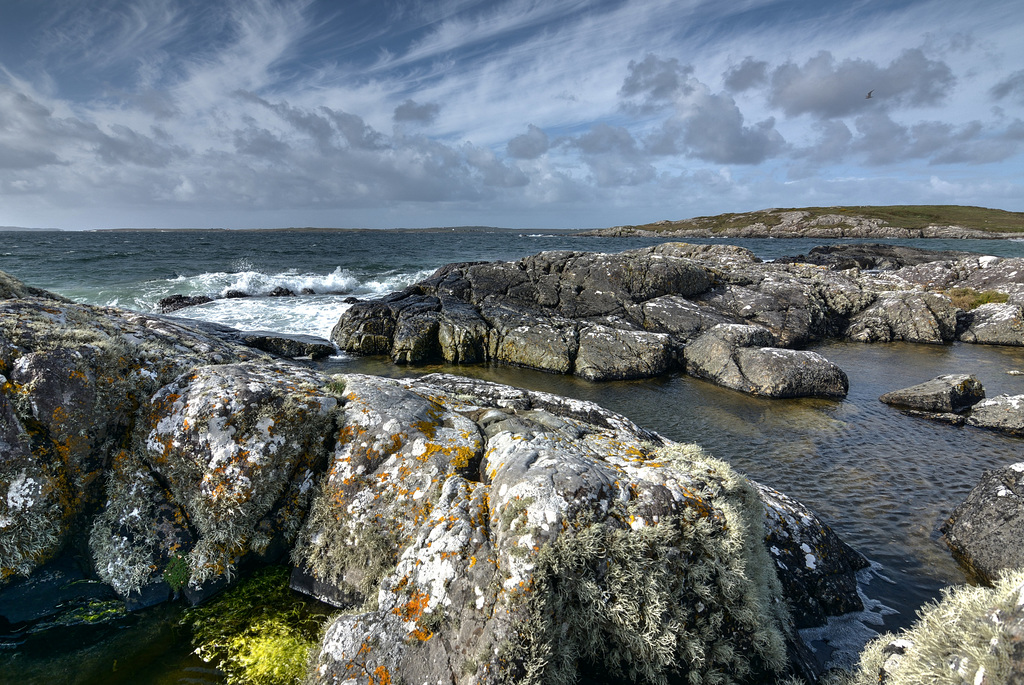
{"x":884,"y":481}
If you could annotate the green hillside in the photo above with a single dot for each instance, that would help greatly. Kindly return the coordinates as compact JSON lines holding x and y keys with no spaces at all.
{"x":901,"y":216}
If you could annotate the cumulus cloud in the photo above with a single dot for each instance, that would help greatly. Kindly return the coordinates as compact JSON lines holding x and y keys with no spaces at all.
{"x":825,"y":87}
{"x":748,"y":74}
{"x":655,"y":82}
{"x":412,"y":111}
{"x":529,"y":145}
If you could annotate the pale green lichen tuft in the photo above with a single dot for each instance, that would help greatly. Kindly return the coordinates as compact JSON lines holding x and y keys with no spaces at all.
{"x":964,"y":637}
{"x":659,"y":601}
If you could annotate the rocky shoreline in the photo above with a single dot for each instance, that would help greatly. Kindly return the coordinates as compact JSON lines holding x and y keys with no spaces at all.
{"x":472,"y":532}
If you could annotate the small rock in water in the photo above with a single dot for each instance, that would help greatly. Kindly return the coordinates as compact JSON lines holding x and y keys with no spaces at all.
{"x":952,"y":393}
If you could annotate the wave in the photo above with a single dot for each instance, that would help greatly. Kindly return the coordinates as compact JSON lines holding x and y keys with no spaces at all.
{"x":256,"y":283}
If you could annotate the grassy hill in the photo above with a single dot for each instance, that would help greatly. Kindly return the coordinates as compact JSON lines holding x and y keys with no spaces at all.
{"x":899,"y":216}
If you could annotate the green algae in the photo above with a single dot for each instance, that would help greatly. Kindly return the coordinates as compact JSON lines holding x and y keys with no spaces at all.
{"x":259,"y":632}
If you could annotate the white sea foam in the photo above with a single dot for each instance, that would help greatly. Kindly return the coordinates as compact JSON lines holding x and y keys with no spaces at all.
{"x":309,"y":315}
{"x":843,"y":637}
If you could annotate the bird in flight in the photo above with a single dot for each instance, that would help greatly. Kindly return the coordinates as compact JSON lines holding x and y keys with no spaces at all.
{"x":868,"y":96}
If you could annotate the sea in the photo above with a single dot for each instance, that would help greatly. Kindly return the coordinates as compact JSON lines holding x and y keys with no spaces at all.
{"x":884,"y":481}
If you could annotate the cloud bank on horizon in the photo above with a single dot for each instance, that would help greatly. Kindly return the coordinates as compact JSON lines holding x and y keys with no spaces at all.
{"x":522,"y":113}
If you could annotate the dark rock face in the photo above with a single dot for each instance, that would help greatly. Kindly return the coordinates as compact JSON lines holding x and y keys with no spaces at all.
{"x":287,"y":345}
{"x":176,"y":302}
{"x":986,"y":531}
{"x":953,"y":393}
{"x":872,"y":256}
{"x":744,"y":358}
{"x":817,"y":569}
{"x":594,"y":314}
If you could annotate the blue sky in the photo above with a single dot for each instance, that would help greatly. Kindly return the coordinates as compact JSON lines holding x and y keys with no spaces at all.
{"x":519,"y":113}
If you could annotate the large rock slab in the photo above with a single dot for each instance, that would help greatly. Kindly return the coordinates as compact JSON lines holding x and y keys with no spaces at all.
{"x":545,"y":311}
{"x":986,"y":531}
{"x":951,"y":393}
{"x":744,"y":358}
{"x":909,"y":316}
{"x":480,"y":533}
{"x":232,"y":452}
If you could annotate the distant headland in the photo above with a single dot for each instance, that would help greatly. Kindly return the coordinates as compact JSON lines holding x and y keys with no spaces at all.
{"x":895,"y":221}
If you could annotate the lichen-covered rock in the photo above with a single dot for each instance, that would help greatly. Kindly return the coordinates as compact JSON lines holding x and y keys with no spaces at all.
{"x":744,"y":358}
{"x":225,"y":460}
{"x":485,"y":534}
{"x":1003,"y":413}
{"x":994,"y":324}
{"x":909,"y":316}
{"x":73,"y":378}
{"x":973,"y":635}
{"x":951,"y":393}
{"x":986,"y":531}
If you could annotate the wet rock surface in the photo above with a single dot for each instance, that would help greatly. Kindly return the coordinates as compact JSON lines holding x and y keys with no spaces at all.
{"x":476,"y":532}
{"x":986,"y":531}
{"x":1004,"y":413}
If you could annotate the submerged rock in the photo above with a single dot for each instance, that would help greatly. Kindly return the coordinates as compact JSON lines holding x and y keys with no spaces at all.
{"x":986,"y":531}
{"x":952,"y":393}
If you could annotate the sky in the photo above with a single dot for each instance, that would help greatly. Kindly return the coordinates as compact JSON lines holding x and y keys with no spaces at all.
{"x":513,"y":113}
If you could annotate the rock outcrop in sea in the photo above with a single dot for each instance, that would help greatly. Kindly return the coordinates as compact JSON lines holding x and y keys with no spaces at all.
{"x":645,"y":312}
{"x":475,"y":532}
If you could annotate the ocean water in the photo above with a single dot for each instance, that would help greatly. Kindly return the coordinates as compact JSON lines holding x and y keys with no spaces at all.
{"x":884,"y":481}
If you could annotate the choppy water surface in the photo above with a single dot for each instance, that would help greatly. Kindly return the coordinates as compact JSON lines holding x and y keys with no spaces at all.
{"x":884,"y":481}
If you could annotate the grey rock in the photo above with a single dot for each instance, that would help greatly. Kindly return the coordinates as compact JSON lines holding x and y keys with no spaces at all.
{"x":1003,"y":413}
{"x":951,"y":393}
{"x":744,"y":358}
{"x":986,"y":531}
{"x":175,"y":302}
{"x":77,"y":375}
{"x":607,"y":353}
{"x":909,"y":316}
{"x":994,"y":324}
{"x":494,"y":496}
